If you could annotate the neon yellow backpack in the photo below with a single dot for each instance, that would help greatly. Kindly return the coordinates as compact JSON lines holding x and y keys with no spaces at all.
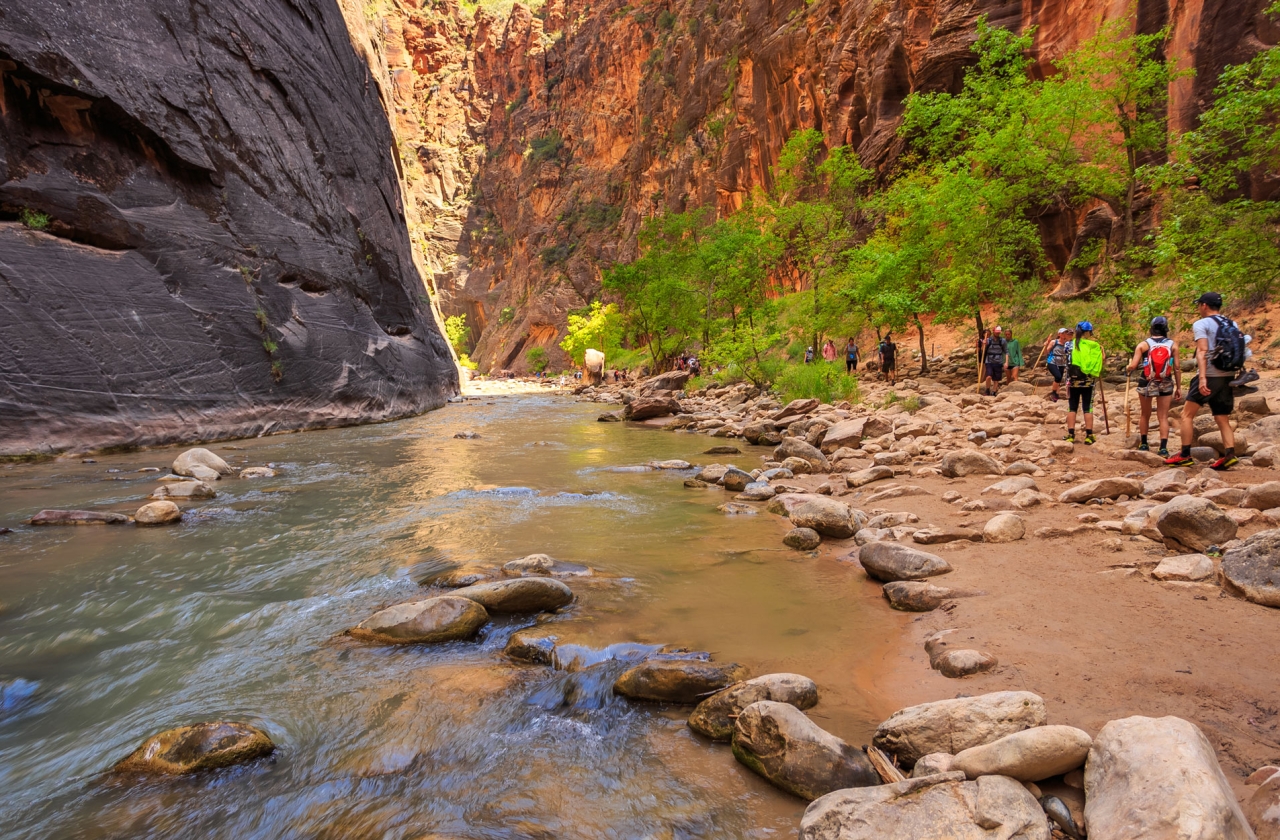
{"x":1086,"y":357}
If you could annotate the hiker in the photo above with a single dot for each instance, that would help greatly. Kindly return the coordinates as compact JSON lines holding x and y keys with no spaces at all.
{"x":1159,"y":382}
{"x":1014,"y":348}
{"x":850,"y":357}
{"x":808,"y":355}
{"x":829,"y":351}
{"x":1084,"y":366}
{"x":993,"y":352}
{"x":889,"y":359}
{"x":1055,"y":350}
{"x":1220,"y":355}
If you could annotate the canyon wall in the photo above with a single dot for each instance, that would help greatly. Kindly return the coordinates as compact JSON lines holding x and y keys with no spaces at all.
{"x":544,"y":139}
{"x":201,"y":228}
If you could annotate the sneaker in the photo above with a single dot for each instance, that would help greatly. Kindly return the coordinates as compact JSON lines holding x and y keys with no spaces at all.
{"x":1070,"y":437}
{"x":1053,"y":397}
{"x":1164,"y":452}
{"x":1090,"y":439}
{"x":1179,"y":461}
{"x":1226,"y":462}
{"x":1144,"y":447}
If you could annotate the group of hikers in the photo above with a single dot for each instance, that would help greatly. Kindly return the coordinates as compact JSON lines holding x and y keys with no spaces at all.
{"x":887,"y":352}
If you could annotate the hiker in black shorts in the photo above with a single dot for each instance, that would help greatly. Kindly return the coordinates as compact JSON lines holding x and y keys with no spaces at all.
{"x":889,"y":359}
{"x":994,"y":350}
{"x":1159,"y":382}
{"x":1080,"y":383}
{"x":850,"y":357}
{"x":1220,"y":354}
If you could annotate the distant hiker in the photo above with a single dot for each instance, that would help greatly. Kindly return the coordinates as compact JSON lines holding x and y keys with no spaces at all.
{"x":695,"y":367}
{"x":1084,"y":366}
{"x":808,"y":355}
{"x":1159,"y":381}
{"x":1014,"y":348}
{"x":993,"y":350}
{"x":1055,"y":350}
{"x":889,"y":359}
{"x":829,"y":351}
{"x":850,"y":357}
{"x":1220,"y":355}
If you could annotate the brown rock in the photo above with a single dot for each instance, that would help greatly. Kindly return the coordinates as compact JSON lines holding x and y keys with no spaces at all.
{"x":780,"y":743}
{"x":78,"y":517}
{"x":158,"y":513}
{"x":714,"y":716}
{"x":686,"y":681}
{"x":1103,"y":488}
{"x":203,"y":746}
{"x":442,"y":619}
{"x":914,"y":595}
{"x":645,"y":408}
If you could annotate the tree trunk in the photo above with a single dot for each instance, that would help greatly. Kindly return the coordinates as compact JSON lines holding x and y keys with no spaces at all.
{"x":982,"y":334}
{"x":924,"y":357}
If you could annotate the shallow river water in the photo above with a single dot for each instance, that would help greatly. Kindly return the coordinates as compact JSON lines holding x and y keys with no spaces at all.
{"x":110,"y":634}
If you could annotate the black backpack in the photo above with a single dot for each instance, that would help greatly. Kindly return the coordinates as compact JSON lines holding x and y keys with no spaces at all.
{"x":1228,"y":348}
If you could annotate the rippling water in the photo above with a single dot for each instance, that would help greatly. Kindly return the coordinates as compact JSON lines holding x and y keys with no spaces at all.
{"x":109,"y":634}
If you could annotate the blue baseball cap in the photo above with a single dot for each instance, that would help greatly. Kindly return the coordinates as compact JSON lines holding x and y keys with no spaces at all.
{"x":1085,"y":325}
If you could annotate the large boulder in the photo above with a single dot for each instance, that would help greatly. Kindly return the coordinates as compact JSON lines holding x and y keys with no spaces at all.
{"x":685,"y":681}
{"x":845,"y":433}
{"x":938,"y":807}
{"x":158,"y":513}
{"x":521,"y":595}
{"x":887,"y":561}
{"x":1263,"y":496}
{"x":793,"y":447}
{"x":1028,"y":756}
{"x":1003,"y":528}
{"x":962,"y":462}
{"x":953,"y":725}
{"x":794,"y":409}
{"x":1103,"y":488}
{"x":78,"y":517}
{"x":445,"y":618}
{"x":187,"y":462}
{"x":646,"y":408}
{"x":1253,"y":568}
{"x":1158,"y":779}
{"x":1263,"y":809}
{"x":802,"y":539}
{"x":864,"y":477}
{"x":714,"y":716}
{"x":735,"y":480}
{"x":1184,"y":567}
{"x":672,"y":380}
{"x":829,"y":517}
{"x":1195,"y":523}
{"x":202,"y":746}
{"x":779,"y":742}
{"x":593,"y":361}
{"x":1165,"y":481}
{"x":914,"y":595}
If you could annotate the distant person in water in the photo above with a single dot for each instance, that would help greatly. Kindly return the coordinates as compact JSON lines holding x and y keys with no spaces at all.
{"x":889,"y":359}
{"x":829,"y":351}
{"x":850,"y":357}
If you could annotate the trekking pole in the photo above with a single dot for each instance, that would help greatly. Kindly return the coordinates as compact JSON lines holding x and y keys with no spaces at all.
{"x":1128,"y":416}
{"x":1102,"y":395}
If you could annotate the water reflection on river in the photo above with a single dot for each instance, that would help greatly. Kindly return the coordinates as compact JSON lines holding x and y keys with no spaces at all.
{"x":113,"y":633}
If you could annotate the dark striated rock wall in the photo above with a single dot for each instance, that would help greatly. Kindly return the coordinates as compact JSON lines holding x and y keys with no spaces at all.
{"x":226,"y":251}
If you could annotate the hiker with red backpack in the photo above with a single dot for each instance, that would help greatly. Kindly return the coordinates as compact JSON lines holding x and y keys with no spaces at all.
{"x":1159,"y":381}
{"x":1221,"y":353}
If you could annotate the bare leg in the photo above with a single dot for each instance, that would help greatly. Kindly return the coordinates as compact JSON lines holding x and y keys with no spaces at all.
{"x":1162,"y":414}
{"x":1189,"y":410}
{"x":1228,"y":434}
{"x":1144,"y":410}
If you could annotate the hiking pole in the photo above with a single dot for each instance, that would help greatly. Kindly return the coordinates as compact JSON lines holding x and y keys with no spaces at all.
{"x":1102,"y":395}
{"x":1128,"y":416}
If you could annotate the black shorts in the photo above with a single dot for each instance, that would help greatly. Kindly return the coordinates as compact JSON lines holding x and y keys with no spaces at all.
{"x":1221,"y":399}
{"x":1056,"y":371}
{"x":1080,"y":397}
{"x":889,"y":362}
{"x":995,"y":370}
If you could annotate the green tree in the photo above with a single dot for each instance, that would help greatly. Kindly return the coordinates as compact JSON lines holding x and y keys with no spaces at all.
{"x":598,"y":328}
{"x":457,"y":332}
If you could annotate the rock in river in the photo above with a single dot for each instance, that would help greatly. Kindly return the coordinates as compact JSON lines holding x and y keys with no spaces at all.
{"x":929,"y":808}
{"x":886,"y":561}
{"x":78,"y":517}
{"x":756,"y":491}
{"x":1195,"y":523}
{"x":915,"y":595}
{"x":1253,"y":568}
{"x":203,"y":746}
{"x":536,"y":645}
{"x":1028,"y":756}
{"x":1158,"y":779}
{"x":257,"y":472}
{"x":184,"y":490}
{"x":714,"y":716}
{"x":735,"y":480}
{"x":646,"y":408}
{"x":779,"y":742}
{"x":953,"y":725}
{"x":828,"y":517}
{"x":441,"y":619}
{"x":522,"y":595}
{"x":542,"y":564}
{"x":198,"y":457}
{"x":158,"y":513}
{"x":685,"y":681}
{"x":802,"y":539}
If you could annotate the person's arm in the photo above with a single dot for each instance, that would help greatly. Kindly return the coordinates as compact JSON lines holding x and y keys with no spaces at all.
{"x":1202,"y":364}
{"x":1137,"y":356}
{"x":1177,"y":374}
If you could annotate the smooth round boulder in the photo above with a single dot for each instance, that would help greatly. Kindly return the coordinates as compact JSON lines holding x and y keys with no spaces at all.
{"x":735,"y":480}
{"x":535,"y":645}
{"x":1003,"y":528}
{"x":257,"y":472}
{"x":184,"y":490}
{"x":203,"y":746}
{"x":685,"y":681}
{"x":158,"y":513}
{"x":914,"y":595}
{"x":544,"y":565}
{"x":183,"y":464}
{"x":828,"y":517}
{"x":888,"y":561}
{"x":785,"y":747}
{"x":1195,"y":523}
{"x":802,"y":539}
{"x":1028,"y":756}
{"x":962,"y":462}
{"x":445,"y":618}
{"x":756,"y":491}
{"x":964,"y":662}
{"x":521,"y":595}
{"x":949,"y":726}
{"x":714,"y":716}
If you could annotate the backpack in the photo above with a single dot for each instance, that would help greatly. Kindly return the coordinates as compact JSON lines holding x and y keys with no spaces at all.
{"x":1228,"y":347}
{"x":1158,"y":366}
{"x":995,"y":351}
{"x":1085,"y":358}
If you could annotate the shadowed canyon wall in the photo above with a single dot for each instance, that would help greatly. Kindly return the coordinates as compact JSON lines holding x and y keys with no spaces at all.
{"x":538,"y":143}
{"x":215,"y":243}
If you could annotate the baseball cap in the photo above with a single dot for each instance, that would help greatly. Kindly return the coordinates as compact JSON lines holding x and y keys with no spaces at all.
{"x":1210,"y":299}
{"x":999,"y":330}
{"x":1160,"y":321}
{"x":1061,"y":330}
{"x":1085,"y":325}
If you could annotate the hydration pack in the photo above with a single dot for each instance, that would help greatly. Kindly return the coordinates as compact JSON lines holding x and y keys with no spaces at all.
{"x":1085,"y":359}
{"x":1228,"y":352}
{"x":1158,"y":365}
{"x":995,"y":351}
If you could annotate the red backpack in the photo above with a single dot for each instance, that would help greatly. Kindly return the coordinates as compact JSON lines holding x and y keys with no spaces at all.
{"x":1159,"y":363}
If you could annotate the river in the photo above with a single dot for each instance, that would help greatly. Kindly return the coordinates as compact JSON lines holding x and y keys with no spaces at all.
{"x":110,"y":634}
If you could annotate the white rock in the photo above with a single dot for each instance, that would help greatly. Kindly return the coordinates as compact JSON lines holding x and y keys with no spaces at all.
{"x":950,"y":726}
{"x":1028,"y":756}
{"x":1003,"y":528}
{"x":202,"y":457}
{"x":1184,"y":567}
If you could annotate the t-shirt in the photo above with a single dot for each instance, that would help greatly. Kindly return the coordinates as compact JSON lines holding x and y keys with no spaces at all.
{"x":1015,"y":352}
{"x":1207,"y":328}
{"x":888,"y":349}
{"x":851,"y":352}
{"x":1057,"y":353}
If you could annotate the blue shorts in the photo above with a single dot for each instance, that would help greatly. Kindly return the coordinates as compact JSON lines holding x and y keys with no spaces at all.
{"x":1056,"y":371}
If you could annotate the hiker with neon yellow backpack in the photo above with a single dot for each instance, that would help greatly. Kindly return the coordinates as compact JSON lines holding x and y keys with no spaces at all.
{"x":1084,"y":366}
{"x":1159,"y":381}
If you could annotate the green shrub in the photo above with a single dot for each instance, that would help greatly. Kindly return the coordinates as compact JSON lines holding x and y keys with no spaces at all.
{"x":537,"y":359}
{"x":507,"y":315}
{"x":465,"y":361}
{"x":457,"y":332}
{"x":825,"y":382}
{"x":546,"y":147}
{"x":33,"y":220}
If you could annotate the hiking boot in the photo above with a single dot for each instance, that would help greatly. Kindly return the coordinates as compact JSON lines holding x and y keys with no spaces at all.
{"x":1179,"y":461}
{"x":1053,"y":397}
{"x":1164,"y":452}
{"x":1090,"y":439}
{"x":1070,"y":437}
{"x":1144,"y":447}
{"x":1224,"y":463}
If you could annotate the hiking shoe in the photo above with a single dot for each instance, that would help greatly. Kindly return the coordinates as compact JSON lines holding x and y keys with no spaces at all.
{"x":1053,"y":397}
{"x":1071,"y":438}
{"x":1164,"y":452}
{"x":1144,"y":447}
{"x":1226,"y":462}
{"x":1090,"y":439}
{"x":1179,"y":461}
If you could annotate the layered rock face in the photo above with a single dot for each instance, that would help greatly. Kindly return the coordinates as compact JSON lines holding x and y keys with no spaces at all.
{"x":546,"y":139}
{"x":201,"y":228}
